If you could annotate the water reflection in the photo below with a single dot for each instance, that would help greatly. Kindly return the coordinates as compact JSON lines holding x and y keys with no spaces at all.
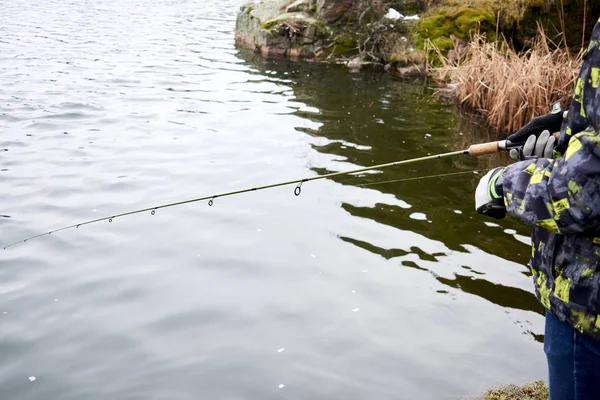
{"x":362,"y":122}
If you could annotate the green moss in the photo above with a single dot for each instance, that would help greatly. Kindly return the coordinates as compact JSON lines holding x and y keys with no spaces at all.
{"x":443,"y":43}
{"x":462,"y":22}
{"x":517,"y":19}
{"x":342,"y":49}
{"x":250,"y":9}
{"x":438,"y":26}
{"x":398,"y":59}
{"x":344,"y":44}
{"x":348,"y":42}
{"x":270,"y":24}
{"x":323,"y":30}
{"x":345,"y":40}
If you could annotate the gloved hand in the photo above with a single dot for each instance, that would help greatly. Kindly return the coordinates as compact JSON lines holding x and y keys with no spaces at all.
{"x":551,"y":122}
{"x":542,"y":146}
{"x":489,"y":195}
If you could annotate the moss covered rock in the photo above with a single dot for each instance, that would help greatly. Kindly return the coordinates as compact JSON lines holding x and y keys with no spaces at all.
{"x":326,"y":30}
{"x":278,"y":28}
{"x":462,"y":22}
{"x":348,"y":11}
{"x":567,"y":21}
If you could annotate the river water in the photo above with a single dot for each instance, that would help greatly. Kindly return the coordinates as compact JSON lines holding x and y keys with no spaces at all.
{"x":389,"y":291}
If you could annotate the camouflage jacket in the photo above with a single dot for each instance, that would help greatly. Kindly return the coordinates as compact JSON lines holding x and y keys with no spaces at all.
{"x":560,"y":199}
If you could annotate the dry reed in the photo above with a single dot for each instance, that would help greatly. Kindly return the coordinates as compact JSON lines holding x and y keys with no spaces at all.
{"x":510,"y":88}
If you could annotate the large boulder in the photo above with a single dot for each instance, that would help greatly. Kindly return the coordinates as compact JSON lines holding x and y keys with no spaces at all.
{"x":327,"y":30}
{"x":278,"y":28}
{"x":302,"y":28}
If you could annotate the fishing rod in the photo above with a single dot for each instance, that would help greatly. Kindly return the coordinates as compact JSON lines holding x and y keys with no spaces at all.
{"x":475,"y":150}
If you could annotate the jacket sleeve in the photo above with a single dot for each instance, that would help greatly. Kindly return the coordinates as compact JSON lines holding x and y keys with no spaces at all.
{"x":562,"y":195}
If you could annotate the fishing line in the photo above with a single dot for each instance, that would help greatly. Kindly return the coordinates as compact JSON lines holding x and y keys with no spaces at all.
{"x":421,"y":177}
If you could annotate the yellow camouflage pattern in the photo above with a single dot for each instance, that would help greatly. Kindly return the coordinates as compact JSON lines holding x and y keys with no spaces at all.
{"x":560,"y":199}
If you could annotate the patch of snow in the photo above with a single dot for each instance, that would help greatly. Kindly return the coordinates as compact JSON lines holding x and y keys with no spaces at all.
{"x":393,"y":14}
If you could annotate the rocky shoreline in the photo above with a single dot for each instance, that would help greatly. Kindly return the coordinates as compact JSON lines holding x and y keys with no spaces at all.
{"x":399,"y":36}
{"x":335,"y":31}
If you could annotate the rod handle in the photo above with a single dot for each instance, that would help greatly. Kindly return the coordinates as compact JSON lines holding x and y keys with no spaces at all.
{"x":481,"y":149}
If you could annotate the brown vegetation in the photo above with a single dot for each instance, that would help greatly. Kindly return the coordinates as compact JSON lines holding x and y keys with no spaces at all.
{"x":508,"y":87}
{"x":532,"y":391}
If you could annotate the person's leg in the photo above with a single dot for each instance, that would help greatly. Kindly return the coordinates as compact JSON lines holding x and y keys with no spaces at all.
{"x":587,"y":368}
{"x":559,"y":341}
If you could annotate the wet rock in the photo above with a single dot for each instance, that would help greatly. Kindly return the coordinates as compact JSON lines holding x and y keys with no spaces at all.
{"x":309,"y":33}
{"x":298,"y":6}
{"x":276,"y":28}
{"x":355,"y":65}
{"x":411,"y":71}
{"x":335,"y":11}
{"x":319,"y":29}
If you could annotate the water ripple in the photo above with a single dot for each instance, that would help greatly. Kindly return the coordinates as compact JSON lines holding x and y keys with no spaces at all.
{"x":115,"y":105}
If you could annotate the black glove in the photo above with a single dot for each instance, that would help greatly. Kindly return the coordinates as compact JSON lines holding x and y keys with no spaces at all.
{"x":551,"y":122}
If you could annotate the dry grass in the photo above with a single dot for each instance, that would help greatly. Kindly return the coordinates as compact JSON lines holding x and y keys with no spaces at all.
{"x":507,"y":87}
{"x":532,"y":391}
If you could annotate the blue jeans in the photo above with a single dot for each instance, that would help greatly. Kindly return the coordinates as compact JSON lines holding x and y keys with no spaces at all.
{"x":573,"y":362}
